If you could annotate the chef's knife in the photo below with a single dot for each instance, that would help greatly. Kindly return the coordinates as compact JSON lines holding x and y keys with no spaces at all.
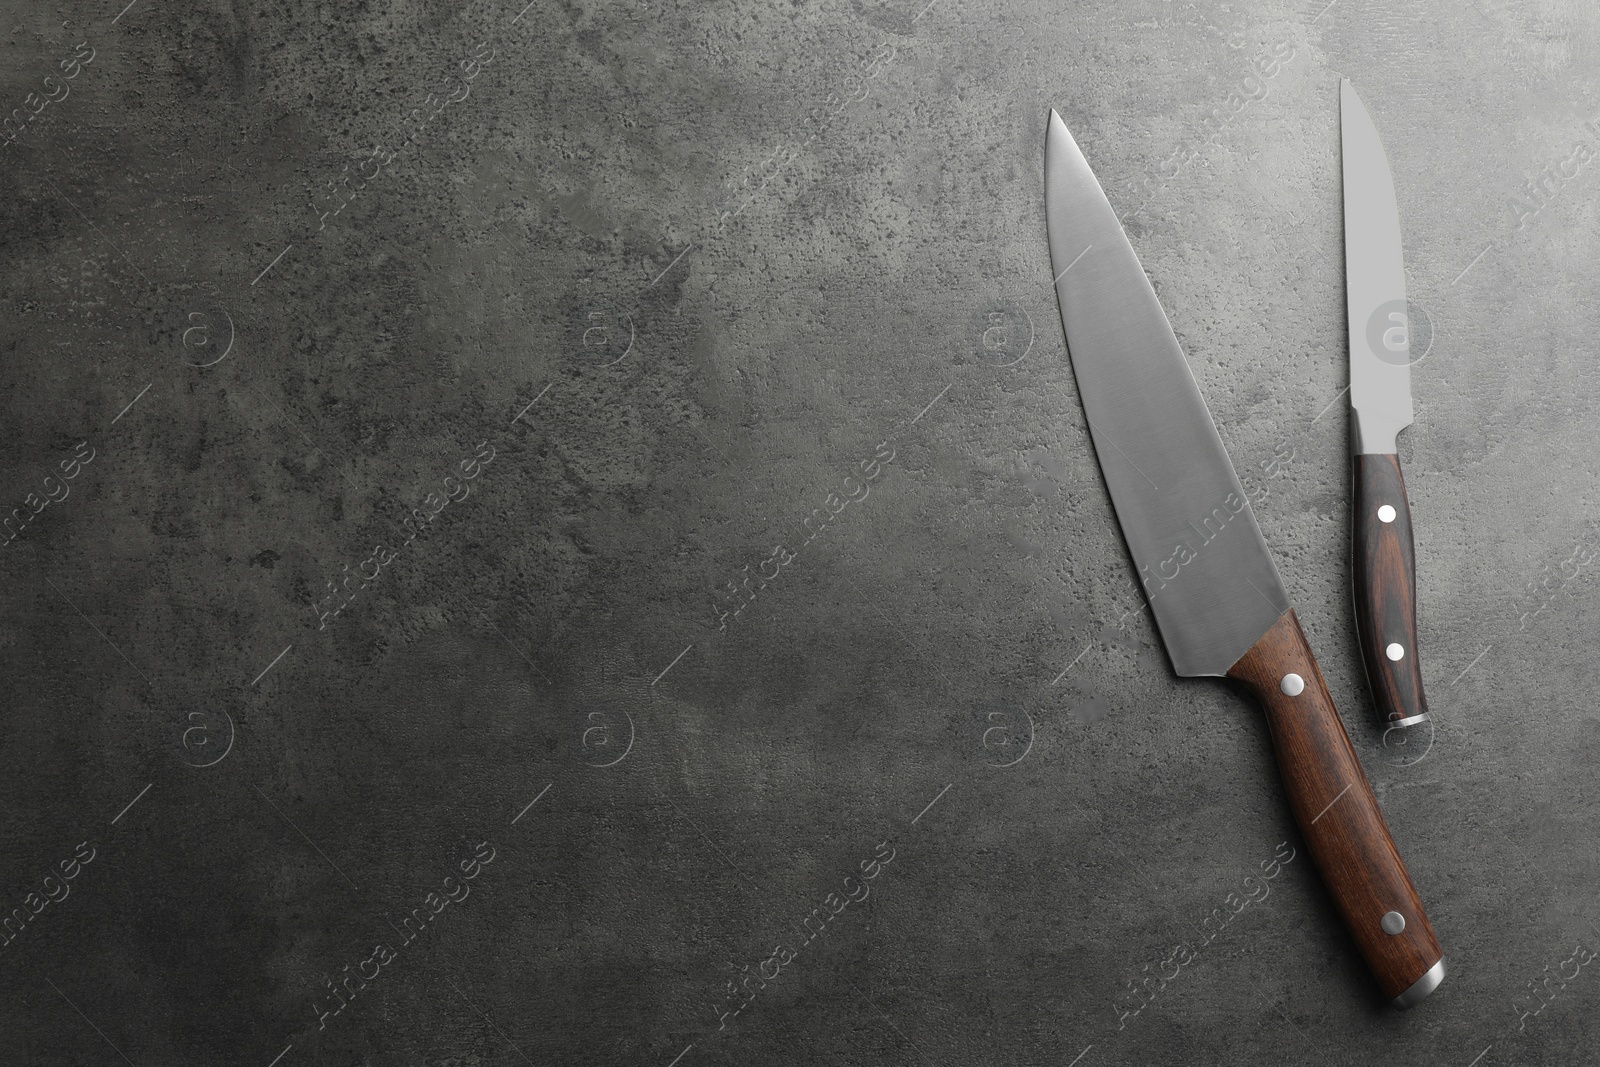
{"x":1384,"y":582}
{"x":1212,"y":586}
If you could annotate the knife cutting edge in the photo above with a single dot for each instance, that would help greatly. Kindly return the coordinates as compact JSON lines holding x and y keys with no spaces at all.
{"x":1213,"y":589}
{"x":1384,"y":583}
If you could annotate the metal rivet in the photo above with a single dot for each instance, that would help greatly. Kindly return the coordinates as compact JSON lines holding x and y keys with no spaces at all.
{"x":1386,"y":513}
{"x":1392,"y":922}
{"x":1395,"y":651}
{"x":1292,"y":685}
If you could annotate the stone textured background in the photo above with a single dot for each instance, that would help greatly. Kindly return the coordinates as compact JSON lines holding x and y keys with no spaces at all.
{"x":718,"y":255}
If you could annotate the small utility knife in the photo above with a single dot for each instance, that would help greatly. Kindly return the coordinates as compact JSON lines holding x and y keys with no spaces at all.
{"x":1385,"y":578}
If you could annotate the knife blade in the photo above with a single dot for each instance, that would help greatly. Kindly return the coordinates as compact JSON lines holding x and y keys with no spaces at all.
{"x":1383,"y":558}
{"x":1215,"y":594}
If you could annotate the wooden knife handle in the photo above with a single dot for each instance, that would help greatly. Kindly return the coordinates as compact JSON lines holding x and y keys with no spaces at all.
{"x":1339,"y":816}
{"x":1386,"y":590}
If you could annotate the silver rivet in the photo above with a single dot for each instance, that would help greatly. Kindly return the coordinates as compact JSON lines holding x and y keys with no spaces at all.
{"x":1395,"y":652}
{"x":1386,"y":513}
{"x":1292,"y":685}
{"x":1392,"y":922}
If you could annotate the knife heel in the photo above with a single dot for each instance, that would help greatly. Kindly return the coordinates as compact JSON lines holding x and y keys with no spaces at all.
{"x":1339,"y":816}
{"x":1385,"y":590}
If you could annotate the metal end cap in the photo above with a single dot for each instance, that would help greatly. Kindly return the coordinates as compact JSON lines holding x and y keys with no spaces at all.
{"x":1412,"y":721}
{"x":1422,"y":986}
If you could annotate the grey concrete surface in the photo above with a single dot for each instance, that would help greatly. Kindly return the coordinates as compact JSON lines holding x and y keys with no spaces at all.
{"x":651,"y":283}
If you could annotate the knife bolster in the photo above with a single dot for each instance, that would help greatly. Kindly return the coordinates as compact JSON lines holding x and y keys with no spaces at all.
{"x":1376,"y":432}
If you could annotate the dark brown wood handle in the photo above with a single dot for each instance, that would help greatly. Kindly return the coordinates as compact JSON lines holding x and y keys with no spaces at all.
{"x":1337,"y":813}
{"x":1385,"y":583}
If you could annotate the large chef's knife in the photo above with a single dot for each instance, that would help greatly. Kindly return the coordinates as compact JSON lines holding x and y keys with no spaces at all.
{"x":1385,"y":582}
{"x":1212,"y":586}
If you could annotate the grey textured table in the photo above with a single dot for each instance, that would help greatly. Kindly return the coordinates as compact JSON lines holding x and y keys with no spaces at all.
{"x":566,"y":535}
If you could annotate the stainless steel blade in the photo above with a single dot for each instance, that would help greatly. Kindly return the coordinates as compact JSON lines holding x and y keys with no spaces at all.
{"x":1211,"y":583}
{"x":1375,"y":284}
